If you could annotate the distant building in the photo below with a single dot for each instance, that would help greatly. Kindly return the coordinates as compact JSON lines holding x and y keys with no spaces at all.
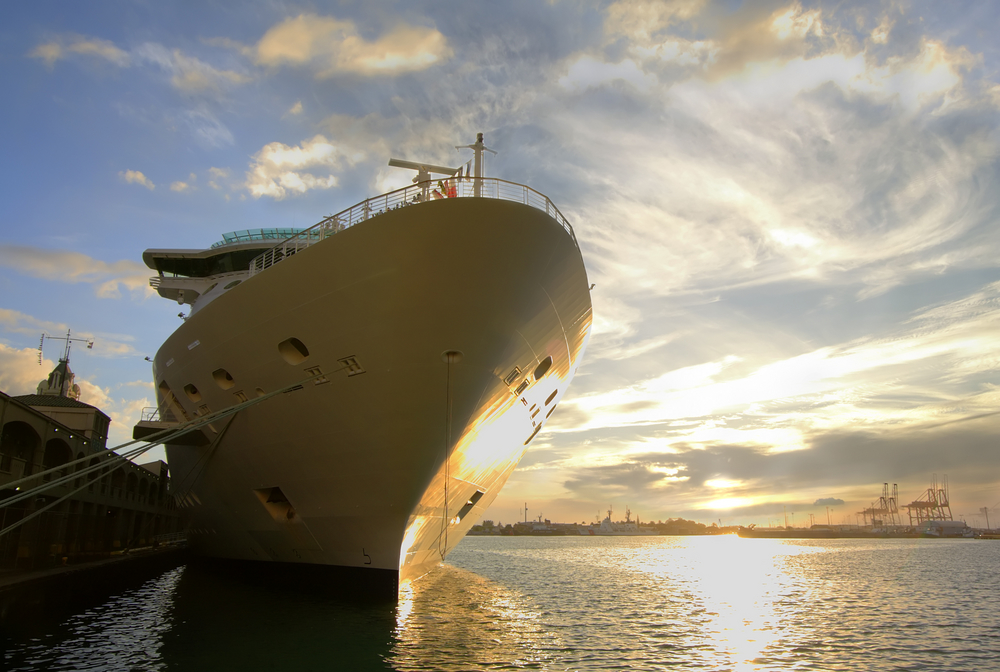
{"x":123,"y":506}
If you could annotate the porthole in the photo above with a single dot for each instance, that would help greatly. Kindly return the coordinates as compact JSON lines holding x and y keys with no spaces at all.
{"x":192,"y":392}
{"x":543,"y":367}
{"x":260,"y":392}
{"x":223,"y":379}
{"x":551,"y":397}
{"x":293,"y":351}
{"x":211,"y":287}
{"x":232,"y":284}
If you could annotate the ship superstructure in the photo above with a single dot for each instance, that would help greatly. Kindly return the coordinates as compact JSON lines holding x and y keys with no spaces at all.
{"x":619,"y":528}
{"x":424,"y":337}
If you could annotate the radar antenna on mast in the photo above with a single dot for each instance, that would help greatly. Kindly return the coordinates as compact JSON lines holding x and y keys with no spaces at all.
{"x":424,"y":171}
{"x":478,"y":148}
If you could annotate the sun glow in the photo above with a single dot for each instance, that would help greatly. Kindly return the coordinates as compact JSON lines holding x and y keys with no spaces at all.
{"x":736,"y":585}
{"x":729,"y":503}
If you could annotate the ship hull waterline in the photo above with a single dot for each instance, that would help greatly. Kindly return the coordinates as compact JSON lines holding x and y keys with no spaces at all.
{"x":387,"y":460}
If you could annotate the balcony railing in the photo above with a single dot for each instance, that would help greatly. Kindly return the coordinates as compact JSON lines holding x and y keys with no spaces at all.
{"x":487,"y":187}
{"x":154,"y":414}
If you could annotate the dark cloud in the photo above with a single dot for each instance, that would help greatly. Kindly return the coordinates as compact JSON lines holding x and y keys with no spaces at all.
{"x":828,"y":501}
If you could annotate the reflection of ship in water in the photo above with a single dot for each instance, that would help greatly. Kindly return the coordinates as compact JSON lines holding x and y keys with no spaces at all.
{"x":621,"y":528}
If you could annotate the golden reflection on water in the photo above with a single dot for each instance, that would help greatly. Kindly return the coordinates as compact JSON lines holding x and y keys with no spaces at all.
{"x":738,"y":583}
{"x":721,"y":601}
{"x":704,"y":603}
{"x":454,"y":619}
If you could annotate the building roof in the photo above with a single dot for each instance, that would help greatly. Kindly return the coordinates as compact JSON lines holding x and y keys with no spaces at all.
{"x":51,"y":400}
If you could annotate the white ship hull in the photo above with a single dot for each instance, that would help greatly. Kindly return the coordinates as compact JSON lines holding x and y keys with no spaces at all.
{"x":364,"y":471}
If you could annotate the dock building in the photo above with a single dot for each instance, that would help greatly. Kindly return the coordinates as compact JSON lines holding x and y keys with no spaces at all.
{"x":122,"y":506}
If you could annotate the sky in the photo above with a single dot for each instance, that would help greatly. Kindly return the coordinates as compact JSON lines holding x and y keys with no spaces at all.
{"x":789,"y":210}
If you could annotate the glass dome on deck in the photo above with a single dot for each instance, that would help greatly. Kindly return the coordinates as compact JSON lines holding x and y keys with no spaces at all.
{"x":250,"y":235}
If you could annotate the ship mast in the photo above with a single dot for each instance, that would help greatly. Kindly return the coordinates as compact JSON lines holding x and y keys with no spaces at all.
{"x":479,"y":147}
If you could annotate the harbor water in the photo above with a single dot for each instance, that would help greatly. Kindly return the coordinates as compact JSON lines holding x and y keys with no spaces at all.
{"x":566,"y":603}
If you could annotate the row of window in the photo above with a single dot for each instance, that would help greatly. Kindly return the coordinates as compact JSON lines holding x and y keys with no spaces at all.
{"x":292,"y":350}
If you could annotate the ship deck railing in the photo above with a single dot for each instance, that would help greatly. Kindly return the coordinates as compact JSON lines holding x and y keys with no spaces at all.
{"x":417,"y":194}
{"x":155,"y":414}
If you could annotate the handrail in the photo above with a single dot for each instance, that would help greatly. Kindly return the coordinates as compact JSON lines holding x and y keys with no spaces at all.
{"x":487,"y":187}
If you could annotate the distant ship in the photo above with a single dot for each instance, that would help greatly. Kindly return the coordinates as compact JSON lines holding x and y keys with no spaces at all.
{"x":621,"y":528}
{"x":422,"y":337}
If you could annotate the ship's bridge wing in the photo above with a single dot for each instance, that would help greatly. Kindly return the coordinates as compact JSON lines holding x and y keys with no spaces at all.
{"x":203,"y":263}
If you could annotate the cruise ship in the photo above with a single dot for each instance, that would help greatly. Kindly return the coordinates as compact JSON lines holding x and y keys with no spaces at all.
{"x":404,"y":352}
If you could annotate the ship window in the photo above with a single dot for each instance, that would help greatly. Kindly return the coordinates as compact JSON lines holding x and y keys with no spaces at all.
{"x":543,"y":367}
{"x":260,"y":392}
{"x":476,"y":496}
{"x":536,"y":412}
{"x":232,"y":284}
{"x":512,"y":376}
{"x":192,"y":392}
{"x":293,"y":351}
{"x":551,"y":397}
{"x":223,"y":379}
{"x":317,"y":374}
{"x":241,"y":396}
{"x":521,"y":387}
{"x":550,"y":411}
{"x":533,"y":435}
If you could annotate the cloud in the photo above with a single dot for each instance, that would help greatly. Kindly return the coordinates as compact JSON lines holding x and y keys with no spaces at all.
{"x":136,"y":177}
{"x":19,"y":323}
{"x":20,"y":372}
{"x":295,"y":109}
{"x":330,"y":47}
{"x":94,"y":395}
{"x":588,"y":72}
{"x":278,"y":169}
{"x":124,"y":414}
{"x":207,"y":128}
{"x":217,"y":175}
{"x":646,"y":20}
{"x":828,"y":501}
{"x":106,"y":345}
{"x":74,"y":267}
{"x":228,"y":43}
{"x":68,"y":45}
{"x":187,"y":73}
{"x":180,"y":186}
{"x":924,"y":372}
